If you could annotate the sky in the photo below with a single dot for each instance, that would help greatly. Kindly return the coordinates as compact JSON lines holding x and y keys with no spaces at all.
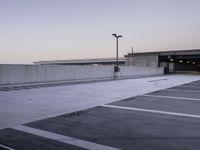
{"x":35,"y":30}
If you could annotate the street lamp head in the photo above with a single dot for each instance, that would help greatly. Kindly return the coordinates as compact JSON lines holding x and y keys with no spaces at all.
{"x":114,"y":34}
{"x":117,"y":36}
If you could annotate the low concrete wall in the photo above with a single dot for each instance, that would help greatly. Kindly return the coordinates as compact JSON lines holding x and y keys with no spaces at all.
{"x":19,"y":74}
{"x":131,"y":71}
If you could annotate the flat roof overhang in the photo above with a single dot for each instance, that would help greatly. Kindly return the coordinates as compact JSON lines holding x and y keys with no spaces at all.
{"x":170,"y":52}
{"x":81,"y":61}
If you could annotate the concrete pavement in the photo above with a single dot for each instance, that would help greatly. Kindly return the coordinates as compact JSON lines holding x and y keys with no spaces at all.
{"x":127,"y":116}
{"x":26,"y":105}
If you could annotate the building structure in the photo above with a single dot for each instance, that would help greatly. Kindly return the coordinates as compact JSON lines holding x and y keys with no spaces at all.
{"x":173,"y":61}
{"x":96,"y":61}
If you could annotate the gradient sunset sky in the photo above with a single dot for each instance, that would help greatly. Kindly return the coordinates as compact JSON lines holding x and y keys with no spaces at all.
{"x":33,"y":30}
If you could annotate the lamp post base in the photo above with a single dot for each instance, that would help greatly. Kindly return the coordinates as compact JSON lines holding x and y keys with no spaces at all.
{"x":116,"y":71}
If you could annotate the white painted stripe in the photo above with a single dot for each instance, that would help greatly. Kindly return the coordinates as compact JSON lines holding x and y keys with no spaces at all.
{"x":157,"y":80}
{"x":64,"y":139}
{"x":182,"y":90}
{"x":6,"y":147}
{"x":153,"y":111}
{"x":172,"y":97}
{"x":193,"y":84}
{"x":189,"y":86}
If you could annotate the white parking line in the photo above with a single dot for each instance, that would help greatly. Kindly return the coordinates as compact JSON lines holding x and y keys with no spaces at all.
{"x":6,"y":147}
{"x":153,"y":111}
{"x":173,"y":97}
{"x":64,"y":139}
{"x":198,"y":84}
{"x":189,"y":86}
{"x":157,"y":80}
{"x":181,"y":90}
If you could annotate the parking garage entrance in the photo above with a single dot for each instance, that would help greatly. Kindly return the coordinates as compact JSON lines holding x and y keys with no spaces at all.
{"x":172,"y":61}
{"x":178,"y":63}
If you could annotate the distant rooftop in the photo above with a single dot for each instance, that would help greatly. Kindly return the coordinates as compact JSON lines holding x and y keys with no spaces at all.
{"x":81,"y":61}
{"x":180,"y":52}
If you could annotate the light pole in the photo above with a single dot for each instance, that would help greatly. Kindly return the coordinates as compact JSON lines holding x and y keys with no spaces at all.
{"x":117,"y":37}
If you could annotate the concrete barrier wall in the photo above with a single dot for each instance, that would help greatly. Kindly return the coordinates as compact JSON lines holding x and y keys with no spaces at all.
{"x":18,"y":74}
{"x":137,"y":71}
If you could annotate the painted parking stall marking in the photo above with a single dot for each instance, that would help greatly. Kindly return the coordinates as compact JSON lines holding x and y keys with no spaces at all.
{"x":127,"y":128}
{"x":182,"y":90}
{"x":64,"y":139}
{"x":172,"y":97}
{"x":192,"y":88}
{"x":176,"y":93}
{"x":153,"y":111}
{"x":189,"y":86}
{"x":20,"y":140}
{"x":6,"y":147}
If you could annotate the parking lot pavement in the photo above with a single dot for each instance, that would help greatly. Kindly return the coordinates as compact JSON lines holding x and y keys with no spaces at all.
{"x":187,"y":87}
{"x":125,"y":129}
{"x":177,"y":93}
{"x":192,"y":84}
{"x":14,"y":139}
{"x":165,"y":119}
{"x":162,"y":104}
